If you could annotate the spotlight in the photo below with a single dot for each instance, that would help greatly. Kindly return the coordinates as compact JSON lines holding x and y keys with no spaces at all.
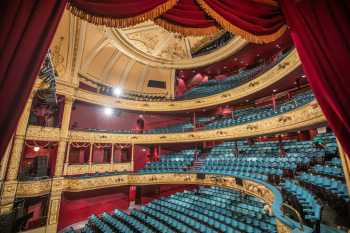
{"x":117,"y":91}
{"x":36,"y":148}
{"x":274,"y":90}
{"x":108,"y":111}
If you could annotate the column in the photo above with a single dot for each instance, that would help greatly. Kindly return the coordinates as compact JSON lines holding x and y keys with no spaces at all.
{"x":54,"y":204}
{"x":10,"y":184}
{"x":194,"y":121}
{"x":132,"y":158}
{"x":62,"y":144}
{"x":66,"y":162}
{"x":90,"y":156}
{"x":346,"y":164}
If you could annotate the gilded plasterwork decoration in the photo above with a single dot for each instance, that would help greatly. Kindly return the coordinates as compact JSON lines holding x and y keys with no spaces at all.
{"x":147,"y":40}
{"x":58,"y":57}
{"x":148,"y":37}
{"x":282,"y":228}
{"x":174,"y":51}
{"x":304,"y":116}
{"x":150,"y":44}
{"x":34,"y":188}
{"x":54,"y":210}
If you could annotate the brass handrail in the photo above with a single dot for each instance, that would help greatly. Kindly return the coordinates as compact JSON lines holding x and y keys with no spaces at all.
{"x":300,"y":219}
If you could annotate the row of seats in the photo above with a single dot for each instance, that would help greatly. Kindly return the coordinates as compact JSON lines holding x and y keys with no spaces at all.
{"x":334,"y":186}
{"x":174,"y":162}
{"x":311,"y":209}
{"x":214,"y":86}
{"x":255,"y":114}
{"x":211,"y":210}
{"x":334,"y":171}
{"x":241,"y":116}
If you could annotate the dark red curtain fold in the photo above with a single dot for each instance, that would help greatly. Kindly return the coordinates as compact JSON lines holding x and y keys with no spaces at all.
{"x":255,"y":17}
{"x":321,"y":33}
{"x":187,"y":13}
{"x":116,"y":8}
{"x":26,"y":30}
{"x":256,"y":21}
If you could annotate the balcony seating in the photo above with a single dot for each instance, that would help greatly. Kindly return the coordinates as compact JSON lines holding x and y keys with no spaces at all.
{"x":254,"y":114}
{"x":241,"y":116}
{"x":175,"y":162}
{"x":310,"y":207}
{"x":335,"y":187}
{"x":214,"y":86}
{"x":332,"y":171}
{"x":335,"y":162}
{"x":177,"y":128}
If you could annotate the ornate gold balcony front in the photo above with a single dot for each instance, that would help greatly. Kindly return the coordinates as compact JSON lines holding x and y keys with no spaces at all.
{"x":287,"y":65}
{"x":97,"y":168}
{"x":306,"y":116}
{"x":260,"y":189}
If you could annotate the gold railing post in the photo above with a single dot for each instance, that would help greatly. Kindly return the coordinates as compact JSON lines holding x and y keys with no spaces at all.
{"x":346,"y":164}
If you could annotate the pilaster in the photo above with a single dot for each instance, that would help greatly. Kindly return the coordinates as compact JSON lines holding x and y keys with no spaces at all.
{"x":62,"y":144}
{"x":10,"y":185}
{"x":54,"y":204}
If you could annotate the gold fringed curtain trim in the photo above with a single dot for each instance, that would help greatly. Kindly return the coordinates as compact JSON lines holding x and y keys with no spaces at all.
{"x":122,"y":22}
{"x":186,"y":31}
{"x":258,"y":39}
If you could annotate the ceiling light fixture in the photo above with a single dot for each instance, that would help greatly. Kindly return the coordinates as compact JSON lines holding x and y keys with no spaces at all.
{"x":108,"y":111}
{"x":36,"y":148}
{"x":117,"y":91}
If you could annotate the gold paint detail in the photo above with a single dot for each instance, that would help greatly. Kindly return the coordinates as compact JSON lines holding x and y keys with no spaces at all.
{"x":305,"y":116}
{"x":259,"y":83}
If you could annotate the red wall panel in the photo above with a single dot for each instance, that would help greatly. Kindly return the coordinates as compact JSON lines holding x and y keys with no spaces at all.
{"x":76,"y":207}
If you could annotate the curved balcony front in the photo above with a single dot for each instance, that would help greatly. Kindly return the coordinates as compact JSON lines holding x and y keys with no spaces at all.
{"x":283,"y":68}
{"x":267,"y":192}
{"x":308,"y":115}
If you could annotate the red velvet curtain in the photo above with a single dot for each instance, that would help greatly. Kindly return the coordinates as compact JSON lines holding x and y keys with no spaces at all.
{"x":186,"y":17}
{"x":321,"y":33}
{"x":26,"y":30}
{"x":258,"y":21}
{"x":119,"y":13}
